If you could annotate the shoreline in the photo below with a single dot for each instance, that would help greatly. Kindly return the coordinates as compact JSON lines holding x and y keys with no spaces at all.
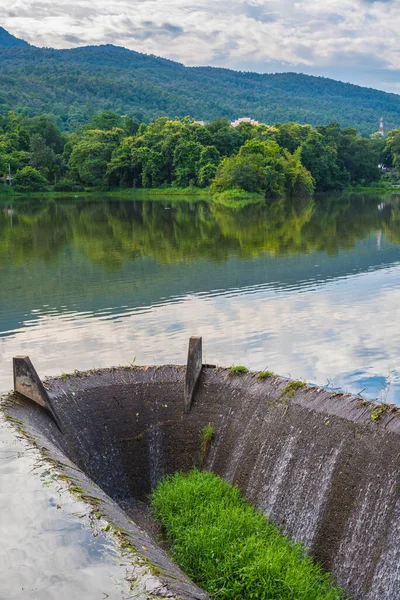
{"x":231,"y":197}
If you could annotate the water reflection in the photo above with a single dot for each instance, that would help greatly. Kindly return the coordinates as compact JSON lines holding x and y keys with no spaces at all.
{"x":309,"y":289}
{"x":111,"y":232}
{"x":48,"y":550}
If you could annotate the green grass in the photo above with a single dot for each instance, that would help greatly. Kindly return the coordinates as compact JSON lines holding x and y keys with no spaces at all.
{"x":206,"y":437}
{"x":378,"y":412}
{"x":162,"y":191}
{"x":291,"y":388}
{"x":238,"y":370}
{"x":204,"y":193}
{"x":228,"y":548}
{"x":265,"y":375}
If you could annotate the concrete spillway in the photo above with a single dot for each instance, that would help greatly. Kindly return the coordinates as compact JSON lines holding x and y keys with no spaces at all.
{"x":323,"y":466}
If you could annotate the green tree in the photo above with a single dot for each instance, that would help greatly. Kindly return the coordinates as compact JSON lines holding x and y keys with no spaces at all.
{"x":320,"y":157}
{"x":29,"y":179}
{"x":120,"y":170}
{"x":42,"y":156}
{"x":185,"y":161}
{"x":106,"y":121}
{"x":147,"y":165}
{"x":45,"y":126}
{"x":241,"y":172}
{"x":262,"y":167}
{"x":299,"y":181}
{"x":206,"y":174}
{"x":91,"y":154}
{"x":391,"y":151}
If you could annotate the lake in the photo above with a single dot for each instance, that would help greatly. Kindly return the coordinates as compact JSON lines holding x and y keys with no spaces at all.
{"x":307,"y":289}
{"x":311,"y":291}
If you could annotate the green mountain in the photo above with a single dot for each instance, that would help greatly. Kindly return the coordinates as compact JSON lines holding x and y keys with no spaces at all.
{"x":10,"y":41}
{"x":75,"y":84}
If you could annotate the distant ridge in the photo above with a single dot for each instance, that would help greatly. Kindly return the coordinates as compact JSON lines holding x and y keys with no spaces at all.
{"x":10,"y":41}
{"x":74,"y":84}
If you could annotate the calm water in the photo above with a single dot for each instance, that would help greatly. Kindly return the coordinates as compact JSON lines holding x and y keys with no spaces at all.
{"x":309,"y":290}
{"x":48,"y":550}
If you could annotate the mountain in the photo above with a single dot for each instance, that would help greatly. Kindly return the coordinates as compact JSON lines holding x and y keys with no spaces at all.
{"x":10,"y":41}
{"x":74,"y":84}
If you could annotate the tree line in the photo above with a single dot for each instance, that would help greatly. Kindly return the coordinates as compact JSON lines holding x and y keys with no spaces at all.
{"x":111,"y":151}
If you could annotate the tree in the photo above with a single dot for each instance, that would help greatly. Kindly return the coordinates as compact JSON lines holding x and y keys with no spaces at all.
{"x":319,"y":155}
{"x":356,"y":156}
{"x":299,"y":181}
{"x":206,"y":174}
{"x":147,"y":165}
{"x":120,"y":171}
{"x":90,"y":155}
{"x":241,"y":172}
{"x":292,"y":135}
{"x":42,"y":156}
{"x":106,"y":121}
{"x":262,"y":167}
{"x":131,"y":126}
{"x":45,"y":126}
{"x":209,"y":155}
{"x":186,"y":158}
{"x":391,"y":151}
{"x":359,"y":157}
{"x":29,"y":179}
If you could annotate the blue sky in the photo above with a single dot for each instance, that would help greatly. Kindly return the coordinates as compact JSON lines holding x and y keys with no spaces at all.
{"x":350,"y":40}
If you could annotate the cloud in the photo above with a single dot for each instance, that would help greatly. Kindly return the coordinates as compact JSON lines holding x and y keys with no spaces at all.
{"x":334,"y":37}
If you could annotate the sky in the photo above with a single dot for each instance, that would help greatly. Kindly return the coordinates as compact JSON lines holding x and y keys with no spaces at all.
{"x":350,"y":40}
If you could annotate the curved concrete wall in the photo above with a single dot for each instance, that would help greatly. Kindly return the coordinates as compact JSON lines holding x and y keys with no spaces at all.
{"x":316,"y":463}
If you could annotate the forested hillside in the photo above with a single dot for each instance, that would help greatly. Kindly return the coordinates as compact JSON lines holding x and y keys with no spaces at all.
{"x":10,"y":41}
{"x":75,"y":84}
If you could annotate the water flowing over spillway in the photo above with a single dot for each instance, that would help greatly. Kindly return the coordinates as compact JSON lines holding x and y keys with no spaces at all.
{"x":322,"y":465}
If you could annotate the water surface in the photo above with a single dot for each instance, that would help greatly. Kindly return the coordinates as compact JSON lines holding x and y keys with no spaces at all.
{"x":310,"y":290}
{"x":307,"y":289}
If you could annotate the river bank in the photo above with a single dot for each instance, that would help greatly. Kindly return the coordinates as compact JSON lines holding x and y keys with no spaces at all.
{"x":230,"y":199}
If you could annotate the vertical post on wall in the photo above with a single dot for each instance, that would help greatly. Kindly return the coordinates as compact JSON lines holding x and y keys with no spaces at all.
{"x":27,"y":382}
{"x":193,"y":370}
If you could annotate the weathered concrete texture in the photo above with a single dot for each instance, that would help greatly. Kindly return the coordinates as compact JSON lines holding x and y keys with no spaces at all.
{"x":316,"y":463}
{"x":95,"y":467}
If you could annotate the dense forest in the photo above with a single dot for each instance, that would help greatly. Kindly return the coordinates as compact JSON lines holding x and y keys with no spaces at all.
{"x":75,"y":84}
{"x":112,"y":152}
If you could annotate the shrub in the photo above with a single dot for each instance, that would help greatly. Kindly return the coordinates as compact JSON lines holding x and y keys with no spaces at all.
{"x":29,"y":179}
{"x":228,"y":548}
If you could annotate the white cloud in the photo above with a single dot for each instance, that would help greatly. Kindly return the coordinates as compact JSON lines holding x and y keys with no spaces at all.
{"x":270,"y":34}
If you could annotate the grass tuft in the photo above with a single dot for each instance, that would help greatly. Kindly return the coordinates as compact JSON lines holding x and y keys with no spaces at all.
{"x":378,"y":412}
{"x":265,"y":375}
{"x":291,"y":388}
{"x":228,"y":548}
{"x":206,"y":437}
{"x":238,"y":370}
